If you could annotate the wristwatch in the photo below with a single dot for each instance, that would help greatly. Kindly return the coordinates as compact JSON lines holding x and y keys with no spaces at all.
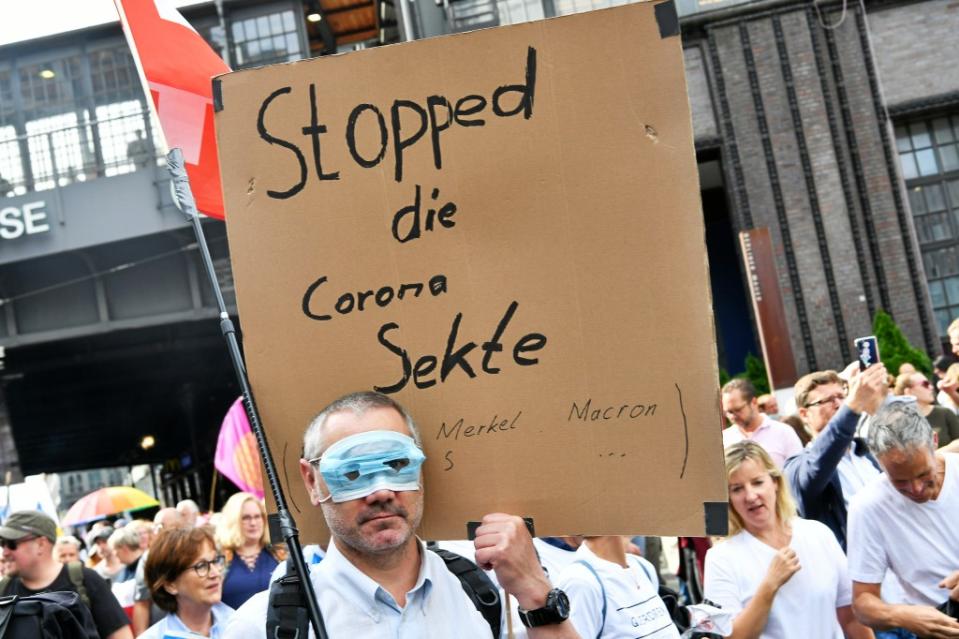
{"x":555,"y":611}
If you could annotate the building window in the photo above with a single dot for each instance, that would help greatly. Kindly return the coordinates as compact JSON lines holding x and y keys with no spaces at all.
{"x":265,"y":39}
{"x":82,"y":115}
{"x":929,"y":154}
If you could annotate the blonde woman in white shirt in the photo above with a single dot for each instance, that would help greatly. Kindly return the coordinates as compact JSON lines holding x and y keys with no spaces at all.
{"x":781,"y":575}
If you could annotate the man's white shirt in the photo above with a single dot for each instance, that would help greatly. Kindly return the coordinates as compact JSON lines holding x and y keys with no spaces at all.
{"x":917,"y":542}
{"x":356,"y":607}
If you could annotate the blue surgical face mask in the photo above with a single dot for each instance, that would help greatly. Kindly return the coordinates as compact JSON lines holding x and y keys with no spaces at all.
{"x":360,"y":465}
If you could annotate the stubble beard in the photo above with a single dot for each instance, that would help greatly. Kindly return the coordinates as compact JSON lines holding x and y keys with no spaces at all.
{"x":360,"y":535}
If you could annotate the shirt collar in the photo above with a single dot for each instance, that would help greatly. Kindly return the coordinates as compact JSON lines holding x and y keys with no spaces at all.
{"x":765,"y":423}
{"x":361,"y":590}
{"x":221,"y":613}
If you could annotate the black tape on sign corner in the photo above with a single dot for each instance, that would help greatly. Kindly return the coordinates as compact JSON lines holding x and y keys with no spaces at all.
{"x":667,"y":18}
{"x":717,"y":517}
{"x":273,"y":524}
{"x":218,"y":91}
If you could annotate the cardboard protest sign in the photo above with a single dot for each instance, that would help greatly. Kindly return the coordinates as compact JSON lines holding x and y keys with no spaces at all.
{"x":502,"y":230}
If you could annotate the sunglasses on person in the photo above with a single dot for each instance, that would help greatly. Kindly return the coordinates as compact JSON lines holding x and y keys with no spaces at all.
{"x":202,"y":567}
{"x":925,"y":383}
{"x":11,"y":544}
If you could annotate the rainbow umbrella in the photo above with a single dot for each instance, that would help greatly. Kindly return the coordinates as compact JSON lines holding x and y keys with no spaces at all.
{"x":107,"y":501}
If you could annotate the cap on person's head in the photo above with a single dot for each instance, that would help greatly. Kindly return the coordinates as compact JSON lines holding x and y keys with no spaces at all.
{"x":100,"y":533}
{"x":25,"y":523}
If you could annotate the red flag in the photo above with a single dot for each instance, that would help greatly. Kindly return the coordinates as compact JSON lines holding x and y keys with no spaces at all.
{"x":177,"y":65}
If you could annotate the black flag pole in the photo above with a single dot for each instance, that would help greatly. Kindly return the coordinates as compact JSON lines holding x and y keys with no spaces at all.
{"x":184,"y":198}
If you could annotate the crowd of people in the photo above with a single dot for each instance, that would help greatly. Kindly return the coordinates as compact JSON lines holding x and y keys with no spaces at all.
{"x":177,"y":574}
{"x":841,"y":524}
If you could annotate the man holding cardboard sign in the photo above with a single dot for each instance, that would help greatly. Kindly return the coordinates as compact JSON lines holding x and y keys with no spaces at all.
{"x":361,"y":465}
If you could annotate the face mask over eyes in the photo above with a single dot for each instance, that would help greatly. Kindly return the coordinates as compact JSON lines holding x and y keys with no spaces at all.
{"x":362,"y":464}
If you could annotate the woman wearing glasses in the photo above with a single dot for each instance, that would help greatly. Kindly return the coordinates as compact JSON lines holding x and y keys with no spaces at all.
{"x":250,"y":559}
{"x":943,"y":420}
{"x":184,"y":572}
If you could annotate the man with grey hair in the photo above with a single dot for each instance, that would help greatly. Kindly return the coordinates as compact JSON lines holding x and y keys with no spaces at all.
{"x":905,"y":521}
{"x":362,"y":465}
{"x":125,"y":543}
{"x":189,"y":510}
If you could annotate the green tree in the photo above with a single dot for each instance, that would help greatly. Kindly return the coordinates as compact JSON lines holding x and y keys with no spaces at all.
{"x":756,"y":373}
{"x":894,"y":348}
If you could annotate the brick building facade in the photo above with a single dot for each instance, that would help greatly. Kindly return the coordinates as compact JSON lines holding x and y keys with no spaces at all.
{"x":801,"y":105}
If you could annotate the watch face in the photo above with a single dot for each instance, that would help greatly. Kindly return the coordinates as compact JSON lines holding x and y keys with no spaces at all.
{"x":561,"y":603}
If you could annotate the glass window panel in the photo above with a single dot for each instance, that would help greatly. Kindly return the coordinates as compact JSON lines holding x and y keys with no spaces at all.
{"x":941,"y":263}
{"x":926,"y":159}
{"x":6,"y":97}
{"x":238,"y":31}
{"x":916,"y":201}
{"x":11,"y":167}
{"x":939,"y":227}
{"x":953,"y":188}
{"x":262,"y":26}
{"x":938,"y":293}
{"x":276,"y":24}
{"x":942,"y":130}
{"x":292,"y":45}
{"x":120,"y":128}
{"x":943,"y":319}
{"x":288,"y":23}
{"x":952,"y":289}
{"x":932,"y":228}
{"x":950,"y":157}
{"x":54,"y":147}
{"x":909,"y":170}
{"x":920,"y":135}
{"x":253,"y":50}
{"x":934,"y":199}
{"x":279,"y":46}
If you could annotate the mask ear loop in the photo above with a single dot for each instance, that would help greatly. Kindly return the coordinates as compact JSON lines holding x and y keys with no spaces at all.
{"x":315,"y":464}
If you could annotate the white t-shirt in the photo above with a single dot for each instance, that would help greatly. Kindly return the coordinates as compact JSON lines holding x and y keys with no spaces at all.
{"x":916,"y":541}
{"x":633,"y":608}
{"x":806,"y":604}
{"x":855,"y":472}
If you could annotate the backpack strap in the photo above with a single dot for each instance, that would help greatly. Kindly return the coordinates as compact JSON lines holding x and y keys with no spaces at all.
{"x":7,"y":605}
{"x":602,"y":589}
{"x":476,"y":584}
{"x":286,"y":614}
{"x":647,"y":568}
{"x":75,"y":573}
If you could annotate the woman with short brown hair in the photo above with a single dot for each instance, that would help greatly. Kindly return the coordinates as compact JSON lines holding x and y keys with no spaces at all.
{"x":184,"y":571}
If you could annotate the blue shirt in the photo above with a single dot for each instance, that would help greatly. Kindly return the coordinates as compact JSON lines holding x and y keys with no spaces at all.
{"x":241,"y":583}
{"x":355,"y":606}
{"x":170,"y":627}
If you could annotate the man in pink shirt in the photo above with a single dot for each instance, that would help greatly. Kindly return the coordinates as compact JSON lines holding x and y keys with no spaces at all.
{"x":747,"y":422}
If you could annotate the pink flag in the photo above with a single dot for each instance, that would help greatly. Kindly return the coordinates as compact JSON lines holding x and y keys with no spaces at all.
{"x":237,"y":455}
{"x":177,"y":66}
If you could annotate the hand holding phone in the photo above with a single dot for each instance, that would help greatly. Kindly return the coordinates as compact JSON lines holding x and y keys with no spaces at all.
{"x":867,"y":349}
